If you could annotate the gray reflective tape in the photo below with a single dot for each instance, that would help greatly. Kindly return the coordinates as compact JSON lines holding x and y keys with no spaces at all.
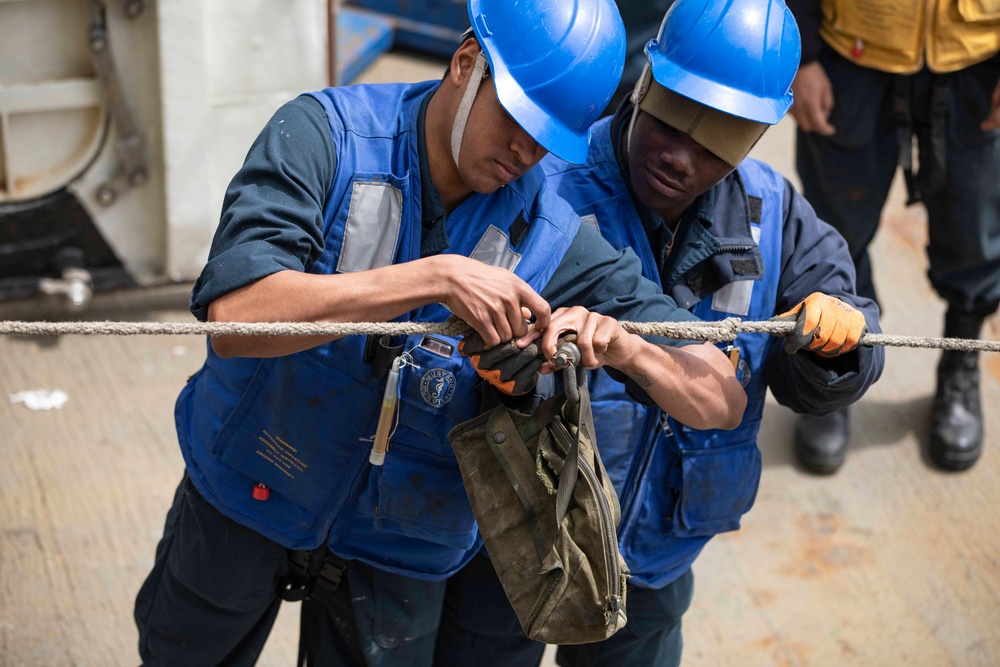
{"x":494,"y":248}
{"x":591,"y":220}
{"x":734,"y":298}
{"x":372,"y":230}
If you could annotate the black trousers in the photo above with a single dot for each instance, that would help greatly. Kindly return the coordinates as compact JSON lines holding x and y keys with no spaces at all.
{"x":213,"y":595}
{"x":479,"y":627}
{"x":846,"y":176}
{"x":652,"y":635}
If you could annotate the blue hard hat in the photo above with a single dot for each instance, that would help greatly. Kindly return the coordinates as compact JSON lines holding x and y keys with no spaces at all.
{"x":555,"y":63}
{"x":739,"y":56}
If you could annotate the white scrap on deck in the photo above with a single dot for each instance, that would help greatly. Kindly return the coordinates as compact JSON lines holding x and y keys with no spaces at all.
{"x":40,"y":399}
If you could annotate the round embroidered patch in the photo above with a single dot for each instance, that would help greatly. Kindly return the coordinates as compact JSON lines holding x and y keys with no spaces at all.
{"x":437,"y":387}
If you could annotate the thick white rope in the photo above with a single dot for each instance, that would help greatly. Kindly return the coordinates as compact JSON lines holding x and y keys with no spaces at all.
{"x":724,"y":330}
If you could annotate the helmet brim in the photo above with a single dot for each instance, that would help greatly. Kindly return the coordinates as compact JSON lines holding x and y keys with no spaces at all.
{"x":555,"y":64}
{"x":719,"y":96}
{"x":544,"y":127}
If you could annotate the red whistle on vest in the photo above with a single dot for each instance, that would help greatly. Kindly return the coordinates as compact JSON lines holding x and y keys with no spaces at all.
{"x":261,"y":492}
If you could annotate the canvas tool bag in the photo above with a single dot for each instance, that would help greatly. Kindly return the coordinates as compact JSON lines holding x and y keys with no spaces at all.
{"x":548,"y":514}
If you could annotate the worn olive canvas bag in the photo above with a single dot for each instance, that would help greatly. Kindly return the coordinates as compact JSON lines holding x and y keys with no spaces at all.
{"x":548,"y":515}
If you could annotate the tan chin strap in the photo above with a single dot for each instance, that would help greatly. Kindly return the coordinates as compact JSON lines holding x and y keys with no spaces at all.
{"x":638,"y":92}
{"x":728,"y":137}
{"x":465,"y":106}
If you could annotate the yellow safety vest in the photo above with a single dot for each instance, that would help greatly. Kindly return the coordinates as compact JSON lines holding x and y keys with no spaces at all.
{"x":899,"y":36}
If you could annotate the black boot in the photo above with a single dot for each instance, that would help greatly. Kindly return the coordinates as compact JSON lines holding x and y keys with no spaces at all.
{"x":957,"y":418}
{"x":821,"y":442}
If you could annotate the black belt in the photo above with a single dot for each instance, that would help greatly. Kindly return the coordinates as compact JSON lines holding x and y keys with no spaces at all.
{"x":313,"y":575}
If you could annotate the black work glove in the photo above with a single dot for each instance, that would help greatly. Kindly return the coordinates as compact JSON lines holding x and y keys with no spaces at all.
{"x":507,"y":367}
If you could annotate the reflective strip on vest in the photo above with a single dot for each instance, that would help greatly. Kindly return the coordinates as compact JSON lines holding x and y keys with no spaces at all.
{"x":494,"y":248}
{"x":371,"y":233}
{"x":734,"y":298}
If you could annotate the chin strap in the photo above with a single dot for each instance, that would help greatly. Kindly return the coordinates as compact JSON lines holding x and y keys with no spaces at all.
{"x":465,"y":106}
{"x":638,"y":92}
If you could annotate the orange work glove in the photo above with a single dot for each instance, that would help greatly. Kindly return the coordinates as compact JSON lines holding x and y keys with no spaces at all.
{"x":824,"y":325}
{"x":505,"y":366}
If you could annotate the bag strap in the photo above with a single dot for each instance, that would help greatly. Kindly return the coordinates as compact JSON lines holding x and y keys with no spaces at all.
{"x":545,"y":416}
{"x":540,"y":418}
{"x":574,"y":410}
{"x":587,"y":422}
{"x":520,"y":475}
{"x":570,"y":471}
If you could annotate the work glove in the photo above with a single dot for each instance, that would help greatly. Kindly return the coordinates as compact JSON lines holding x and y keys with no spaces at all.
{"x":507,"y":367}
{"x":824,"y":325}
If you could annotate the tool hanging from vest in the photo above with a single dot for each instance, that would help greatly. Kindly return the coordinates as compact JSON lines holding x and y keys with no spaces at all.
{"x":385,"y":417}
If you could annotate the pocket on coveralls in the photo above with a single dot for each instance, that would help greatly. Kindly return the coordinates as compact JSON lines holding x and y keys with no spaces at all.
{"x":436,"y":393}
{"x":420,"y":493}
{"x":292,"y":432}
{"x":718,"y":486}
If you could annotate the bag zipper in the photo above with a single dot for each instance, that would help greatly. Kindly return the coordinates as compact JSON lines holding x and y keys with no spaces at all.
{"x":610,"y":543}
{"x":613,"y":567}
{"x":735,"y":247}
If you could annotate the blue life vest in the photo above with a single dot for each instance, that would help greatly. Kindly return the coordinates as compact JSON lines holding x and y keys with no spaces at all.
{"x":302,"y":425}
{"x":679,"y":486}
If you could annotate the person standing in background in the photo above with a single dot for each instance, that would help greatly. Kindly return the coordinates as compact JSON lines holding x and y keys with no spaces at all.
{"x":874,"y":76}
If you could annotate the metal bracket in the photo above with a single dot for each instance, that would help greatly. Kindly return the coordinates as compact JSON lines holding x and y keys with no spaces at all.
{"x":75,"y":281}
{"x":76,"y":284}
{"x":130,"y":146}
{"x":567,"y":358}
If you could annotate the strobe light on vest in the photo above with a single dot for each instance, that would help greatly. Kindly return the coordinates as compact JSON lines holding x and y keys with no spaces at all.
{"x":382,"y":431}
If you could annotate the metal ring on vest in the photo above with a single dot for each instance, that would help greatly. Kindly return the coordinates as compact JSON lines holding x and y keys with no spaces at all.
{"x":465,"y":106}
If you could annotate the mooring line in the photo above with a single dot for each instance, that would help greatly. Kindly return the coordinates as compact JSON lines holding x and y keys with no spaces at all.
{"x":724,"y":330}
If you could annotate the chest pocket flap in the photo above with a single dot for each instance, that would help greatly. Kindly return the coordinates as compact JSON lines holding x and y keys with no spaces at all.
{"x":975,"y":11}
